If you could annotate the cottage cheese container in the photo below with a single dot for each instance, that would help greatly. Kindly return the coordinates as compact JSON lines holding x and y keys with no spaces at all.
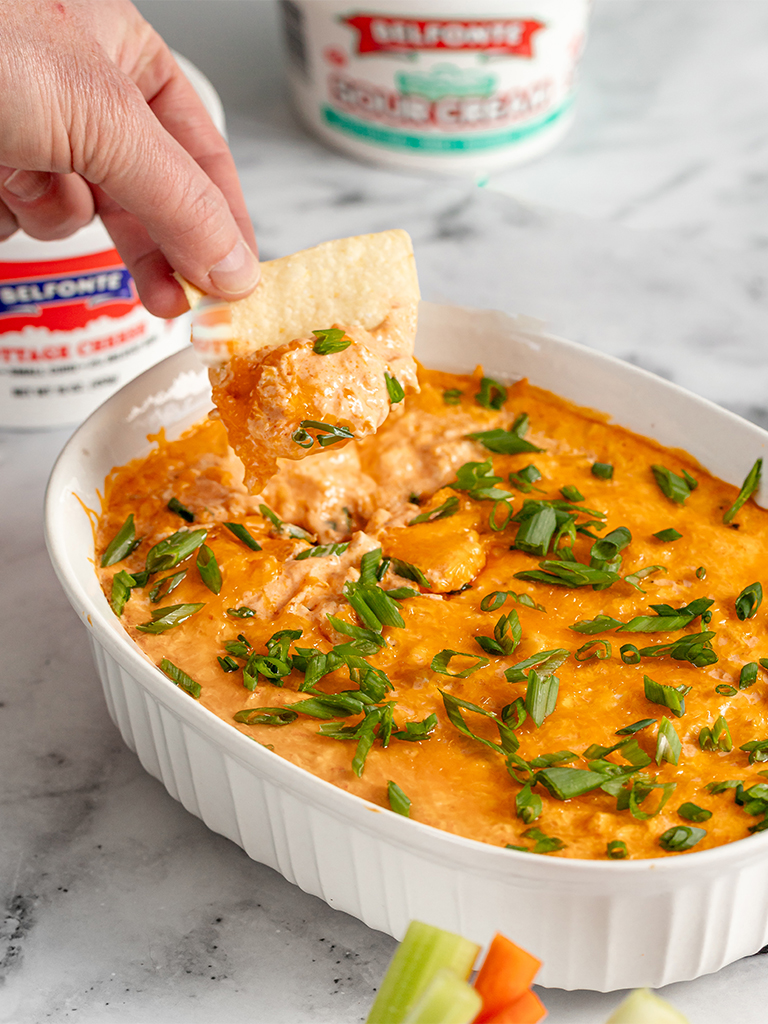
{"x":72,"y":328}
{"x":446,"y":86}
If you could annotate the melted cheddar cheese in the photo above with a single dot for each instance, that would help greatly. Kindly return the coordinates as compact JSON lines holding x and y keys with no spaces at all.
{"x":366,"y":496}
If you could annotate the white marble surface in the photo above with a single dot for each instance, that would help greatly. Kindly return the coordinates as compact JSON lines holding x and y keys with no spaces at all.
{"x":644,"y":234}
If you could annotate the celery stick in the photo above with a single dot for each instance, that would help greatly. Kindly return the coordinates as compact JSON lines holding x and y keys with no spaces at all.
{"x":422,"y":953}
{"x":644,"y":1007}
{"x":448,"y":1000}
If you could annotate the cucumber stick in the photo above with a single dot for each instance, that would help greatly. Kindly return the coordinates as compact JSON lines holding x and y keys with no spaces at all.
{"x":424,"y":951}
{"x":644,"y":1007}
{"x":448,"y":1000}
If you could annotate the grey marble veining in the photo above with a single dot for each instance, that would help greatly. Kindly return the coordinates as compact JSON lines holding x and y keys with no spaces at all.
{"x":120,"y":906}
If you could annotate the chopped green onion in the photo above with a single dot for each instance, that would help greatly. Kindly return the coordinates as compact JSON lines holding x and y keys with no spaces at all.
{"x":398,"y":801}
{"x":503,"y":442}
{"x":617,"y":849}
{"x":535,"y":533}
{"x":448,"y":508}
{"x":507,"y":634}
{"x":491,"y":395}
{"x":409,"y":572}
{"x":676,"y":488}
{"x":122,"y":585}
{"x":602,"y":470}
{"x":672,"y":697}
{"x":725,"y":690}
{"x":568,"y":574}
{"x":121,"y":545}
{"x":571,"y":493}
{"x":479,"y":480}
{"x":667,"y":536}
{"x":525,"y":478}
{"x":394,"y":389}
{"x":691,"y":812}
{"x":528,"y":805}
{"x":541,"y":696}
{"x":442,"y":660}
{"x":748,"y":675}
{"x":681,"y":837}
{"x":630,"y":730}
{"x":166,"y":586}
{"x":330,"y":340}
{"x":266,"y":716}
{"x":600,"y":624}
{"x":545,"y":663}
{"x":174,"y":549}
{"x":668,"y":745}
{"x":243,"y":534}
{"x":749,"y":600}
{"x":325,"y":434}
{"x":629,"y":654}
{"x":174,"y":505}
{"x":567,"y":783}
{"x":716,"y":738}
{"x":210,"y":573}
{"x":243,"y":612}
{"x":542,"y":842}
{"x":592,"y":649}
{"x":228,"y":664}
{"x":166,"y":618}
{"x":748,"y":488}
{"x":322,"y":551}
{"x":181,"y":678}
{"x":757,"y":750}
{"x":282,"y":527}
{"x":452,"y":396}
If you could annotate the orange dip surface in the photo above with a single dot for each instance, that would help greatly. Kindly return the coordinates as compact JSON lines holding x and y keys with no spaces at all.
{"x":454,"y":578}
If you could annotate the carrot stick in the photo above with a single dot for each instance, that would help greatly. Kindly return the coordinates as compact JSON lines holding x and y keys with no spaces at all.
{"x":528,"y":1009}
{"x":506,"y":973}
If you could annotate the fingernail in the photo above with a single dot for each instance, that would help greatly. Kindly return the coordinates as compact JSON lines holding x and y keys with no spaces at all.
{"x":27,"y":185}
{"x":239,"y":271}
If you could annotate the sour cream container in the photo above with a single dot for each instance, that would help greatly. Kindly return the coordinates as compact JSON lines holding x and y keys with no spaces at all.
{"x":72,"y":328}
{"x":448,"y":86}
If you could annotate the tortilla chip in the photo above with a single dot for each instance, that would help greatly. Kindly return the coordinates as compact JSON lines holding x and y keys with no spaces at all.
{"x":355,"y":281}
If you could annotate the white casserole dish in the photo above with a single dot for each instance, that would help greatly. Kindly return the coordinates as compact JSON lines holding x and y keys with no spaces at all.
{"x":595,"y":924}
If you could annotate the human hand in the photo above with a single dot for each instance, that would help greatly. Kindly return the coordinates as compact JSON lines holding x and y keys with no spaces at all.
{"x":97,"y":117}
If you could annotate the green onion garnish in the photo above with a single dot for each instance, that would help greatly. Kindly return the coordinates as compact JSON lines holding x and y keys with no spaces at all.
{"x":507,"y":634}
{"x":668,"y":745}
{"x":166,"y":618}
{"x":681,"y":837}
{"x":442,"y":660}
{"x":266,"y":716}
{"x":672,"y":697}
{"x":325,"y":434}
{"x":491,"y":395}
{"x":616,"y":849}
{"x":121,"y":545}
{"x":166,"y":586}
{"x":174,"y":505}
{"x":630,"y":730}
{"x":322,"y":551}
{"x":749,"y":600}
{"x":602,"y":470}
{"x":180,"y":678}
{"x":452,"y":396}
{"x":174,"y":549}
{"x":571,"y":493}
{"x":748,"y":488}
{"x":394,"y":389}
{"x":716,"y":738}
{"x":209,"y":570}
{"x":692,"y":812}
{"x":330,"y":340}
{"x":667,"y":535}
{"x":448,"y":508}
{"x":243,"y":612}
{"x":398,"y":801}
{"x":600,"y":649}
{"x":748,"y":675}
{"x":676,"y":488}
{"x":541,"y":695}
{"x":122,"y":585}
{"x":243,"y":534}
{"x":503,"y":442}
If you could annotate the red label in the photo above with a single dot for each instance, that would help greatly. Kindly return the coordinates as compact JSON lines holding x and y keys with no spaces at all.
{"x":512,"y":36}
{"x":65,"y":295}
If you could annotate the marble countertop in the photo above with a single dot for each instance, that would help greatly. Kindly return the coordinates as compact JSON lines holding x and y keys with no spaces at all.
{"x":645,"y":234}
